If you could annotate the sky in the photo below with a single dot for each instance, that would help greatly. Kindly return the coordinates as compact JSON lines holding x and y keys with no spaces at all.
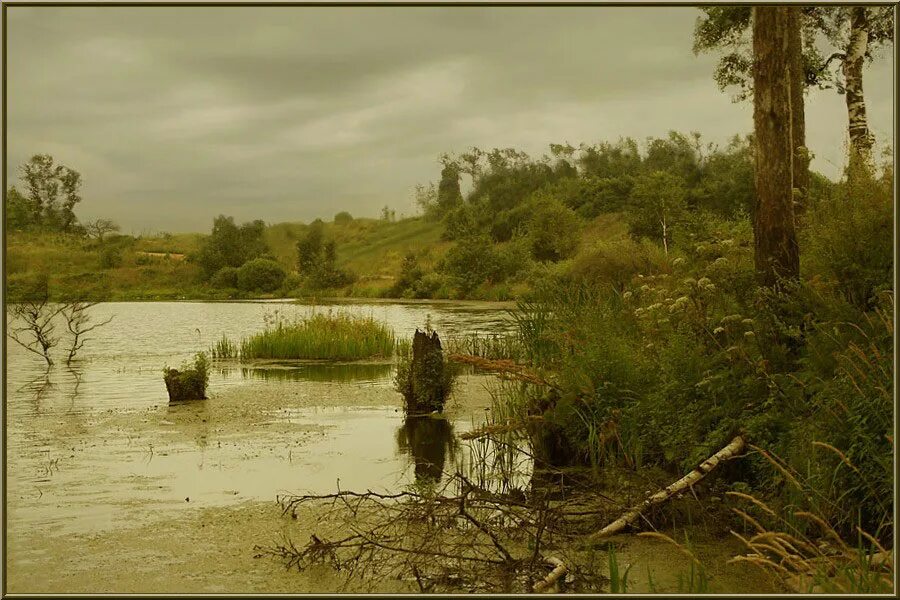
{"x":174,"y":115}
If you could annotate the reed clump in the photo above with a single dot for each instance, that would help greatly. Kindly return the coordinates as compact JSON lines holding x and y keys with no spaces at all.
{"x":323,"y":337}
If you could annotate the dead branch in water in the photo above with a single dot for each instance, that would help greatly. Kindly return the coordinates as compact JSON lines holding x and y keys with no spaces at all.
{"x":558,"y":571}
{"x":497,"y":428}
{"x":631,"y":515}
{"x":452,"y":537}
{"x":503,"y":368}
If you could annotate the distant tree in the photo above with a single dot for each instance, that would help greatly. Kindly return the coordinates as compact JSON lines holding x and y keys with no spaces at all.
{"x":776,"y":250}
{"x":309,"y":248}
{"x":449,"y":195}
{"x":343,"y":218}
{"x":52,"y":192}
{"x":98,"y":228}
{"x":658,"y":204}
{"x":231,"y":246}
{"x":426,"y":199}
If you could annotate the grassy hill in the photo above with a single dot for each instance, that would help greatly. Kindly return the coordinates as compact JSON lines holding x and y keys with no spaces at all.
{"x":159,"y":268}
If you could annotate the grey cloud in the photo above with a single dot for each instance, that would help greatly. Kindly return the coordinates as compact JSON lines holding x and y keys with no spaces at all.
{"x":174,"y":115}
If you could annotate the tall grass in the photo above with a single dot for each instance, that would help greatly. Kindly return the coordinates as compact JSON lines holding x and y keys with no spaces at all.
{"x":490,"y":346}
{"x":326,"y":337}
{"x":225,"y":348}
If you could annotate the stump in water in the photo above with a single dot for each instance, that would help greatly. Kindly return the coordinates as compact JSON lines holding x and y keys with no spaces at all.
{"x":190,"y":382}
{"x":427,"y":379}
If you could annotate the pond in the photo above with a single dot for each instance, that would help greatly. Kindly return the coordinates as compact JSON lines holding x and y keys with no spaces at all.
{"x":97,"y":446}
{"x":111,"y":488}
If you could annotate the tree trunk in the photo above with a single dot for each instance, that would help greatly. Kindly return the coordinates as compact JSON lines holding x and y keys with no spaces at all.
{"x":798,"y":114}
{"x":734,"y":447}
{"x":776,"y":253}
{"x":861,"y":141}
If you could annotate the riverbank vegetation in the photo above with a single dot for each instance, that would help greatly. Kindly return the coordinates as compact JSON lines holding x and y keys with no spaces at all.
{"x":318,"y":337}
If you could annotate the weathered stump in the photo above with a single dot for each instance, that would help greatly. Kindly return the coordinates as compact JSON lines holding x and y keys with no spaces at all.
{"x":184,"y":385}
{"x":429,"y":381}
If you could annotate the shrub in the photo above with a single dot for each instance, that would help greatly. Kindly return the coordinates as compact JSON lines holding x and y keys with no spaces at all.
{"x":226,"y":277}
{"x":553,"y":230}
{"x":260,"y":274}
{"x":471,"y":262}
{"x":332,"y":337}
{"x":850,"y":241}
{"x":110,"y":257}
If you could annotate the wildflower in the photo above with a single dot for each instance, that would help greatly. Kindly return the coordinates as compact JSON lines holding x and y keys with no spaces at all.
{"x":626,"y":295}
{"x":719,"y":330}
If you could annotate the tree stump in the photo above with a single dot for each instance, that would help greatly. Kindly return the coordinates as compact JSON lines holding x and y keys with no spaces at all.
{"x":184,"y":385}
{"x":429,"y":381}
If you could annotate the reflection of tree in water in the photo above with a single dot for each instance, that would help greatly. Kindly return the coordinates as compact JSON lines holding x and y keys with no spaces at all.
{"x":427,"y":440}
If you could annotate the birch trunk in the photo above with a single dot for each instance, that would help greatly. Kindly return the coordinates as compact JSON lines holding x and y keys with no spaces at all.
{"x":776,"y":252}
{"x":861,"y":141}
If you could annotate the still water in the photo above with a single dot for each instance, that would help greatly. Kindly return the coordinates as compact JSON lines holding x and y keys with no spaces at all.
{"x":98,"y":445}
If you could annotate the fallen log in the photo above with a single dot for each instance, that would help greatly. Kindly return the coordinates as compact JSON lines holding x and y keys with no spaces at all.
{"x":558,"y":571}
{"x":631,"y":515}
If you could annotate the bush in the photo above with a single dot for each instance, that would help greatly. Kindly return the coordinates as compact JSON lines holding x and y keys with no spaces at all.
{"x":554,"y":231}
{"x":260,"y":274}
{"x":110,"y":257}
{"x":226,"y":277}
{"x":850,"y":241}
{"x":613,"y":263}
{"x":343,"y":218}
{"x":471,"y":262}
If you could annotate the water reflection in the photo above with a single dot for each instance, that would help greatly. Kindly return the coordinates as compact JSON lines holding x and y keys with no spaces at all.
{"x":330,"y":372}
{"x":427,"y":440}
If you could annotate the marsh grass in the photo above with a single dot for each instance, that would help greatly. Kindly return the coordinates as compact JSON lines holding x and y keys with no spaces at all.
{"x":322,"y":337}
{"x":224,"y":349}
{"x":489,"y":346}
{"x":804,"y":550}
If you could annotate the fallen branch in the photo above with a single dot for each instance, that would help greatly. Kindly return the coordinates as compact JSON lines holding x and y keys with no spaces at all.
{"x":559,"y":570}
{"x":504,"y":368}
{"x":631,"y":515}
{"x":494,"y":429}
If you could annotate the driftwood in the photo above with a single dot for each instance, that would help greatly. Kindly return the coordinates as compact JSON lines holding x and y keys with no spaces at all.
{"x":631,"y":515}
{"x":497,"y":428}
{"x":558,"y":571}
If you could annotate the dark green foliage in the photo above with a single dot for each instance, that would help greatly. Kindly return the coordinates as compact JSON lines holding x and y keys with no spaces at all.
{"x":449,"y":195}
{"x":19,"y":213}
{"x":260,"y":274}
{"x":317,"y":259}
{"x":471,"y":262}
{"x":410,"y":275}
{"x":425,"y":377}
{"x":226,"y":277}
{"x":553,"y":231}
{"x":231,"y":246}
{"x":839,"y":242}
{"x":110,"y":257}
{"x":190,"y":382}
{"x":343,"y":218}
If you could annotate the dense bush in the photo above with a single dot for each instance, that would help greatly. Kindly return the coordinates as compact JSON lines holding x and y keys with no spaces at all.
{"x":553,"y":229}
{"x":226,"y":277}
{"x":343,"y":218}
{"x":110,"y":257}
{"x":260,"y":274}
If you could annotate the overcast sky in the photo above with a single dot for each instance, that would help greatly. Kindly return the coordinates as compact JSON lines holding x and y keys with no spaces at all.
{"x":175,"y":115}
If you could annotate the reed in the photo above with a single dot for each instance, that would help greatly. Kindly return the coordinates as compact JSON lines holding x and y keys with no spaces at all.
{"x":489,"y":346}
{"x":224,"y":349}
{"x":324,"y":337}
